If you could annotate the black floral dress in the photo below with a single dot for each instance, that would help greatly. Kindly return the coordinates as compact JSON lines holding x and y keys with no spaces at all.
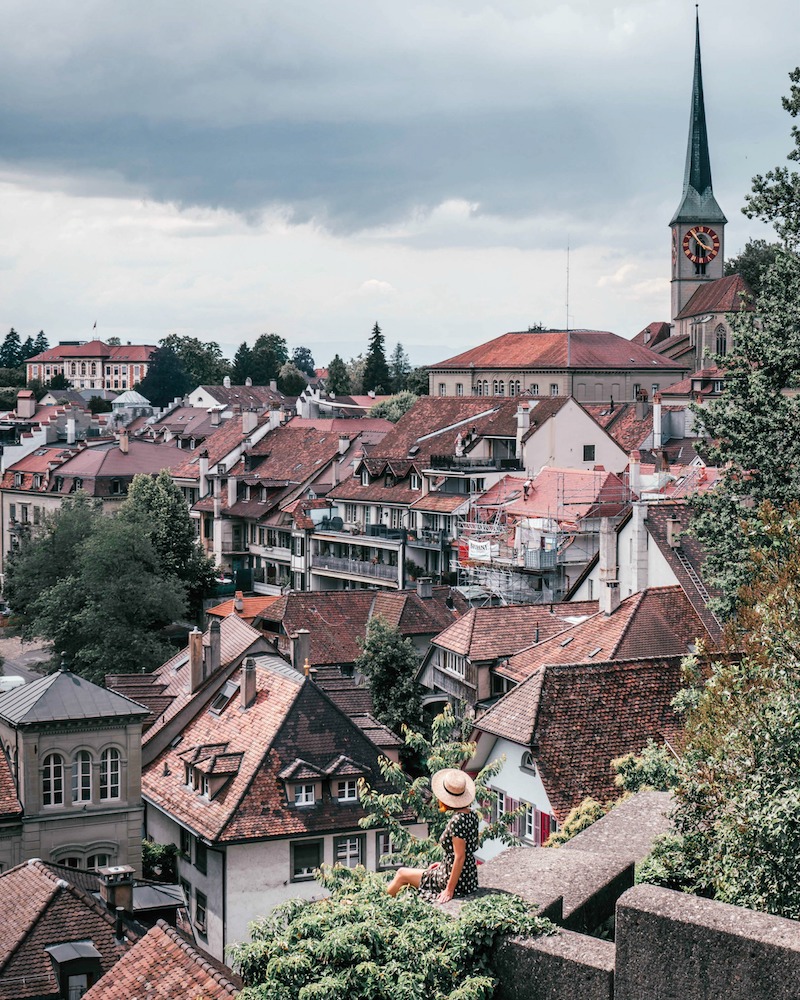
{"x":434,"y":880}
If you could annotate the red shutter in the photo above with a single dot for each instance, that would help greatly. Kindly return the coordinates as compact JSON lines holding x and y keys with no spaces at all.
{"x":545,"y":826}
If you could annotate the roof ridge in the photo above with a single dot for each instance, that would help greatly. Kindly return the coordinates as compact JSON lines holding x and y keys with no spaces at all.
{"x":196,"y":956}
{"x":24,"y":932}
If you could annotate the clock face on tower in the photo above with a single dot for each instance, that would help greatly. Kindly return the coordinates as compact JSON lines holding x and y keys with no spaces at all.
{"x":701,"y":244}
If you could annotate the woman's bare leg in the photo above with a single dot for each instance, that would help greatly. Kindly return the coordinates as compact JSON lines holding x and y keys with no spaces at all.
{"x":403,"y":877}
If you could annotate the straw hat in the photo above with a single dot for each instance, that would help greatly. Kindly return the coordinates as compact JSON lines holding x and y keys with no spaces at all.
{"x":453,"y":787}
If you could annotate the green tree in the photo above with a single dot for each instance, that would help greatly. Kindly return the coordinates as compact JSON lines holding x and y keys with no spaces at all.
{"x":159,"y":861}
{"x":157,"y":506}
{"x":27,"y":349}
{"x":291,"y":380}
{"x":242,"y":365}
{"x":303,"y":359}
{"x":166,"y":378}
{"x":268,"y":356}
{"x":338,"y":381}
{"x":355,"y":374}
{"x":12,"y":376}
{"x":417,"y":381}
{"x":390,"y":664}
{"x":756,"y":258}
{"x":10,"y":351}
{"x":737,"y":794}
{"x":776,"y":194}
{"x":40,"y":343}
{"x":109,"y":611}
{"x":399,"y":367}
{"x":394,"y":407}
{"x":376,"y":370}
{"x":113,"y":341}
{"x":58,"y":381}
{"x":579,"y":819}
{"x":202,"y":361}
{"x":654,"y":769}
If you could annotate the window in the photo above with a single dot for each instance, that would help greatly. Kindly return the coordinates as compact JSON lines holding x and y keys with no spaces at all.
{"x":350,"y":512}
{"x":347,"y":791}
{"x":186,"y":844}
{"x":529,"y":826}
{"x":636,"y":390}
{"x":53,"y":780}
{"x":78,"y":483}
{"x":534,"y":388}
{"x":82,"y":777}
{"x":442,"y":389}
{"x":501,"y":388}
{"x":453,"y":663}
{"x":200,"y":910}
{"x":554,"y":388}
{"x":722,"y":340}
{"x":499,"y":806}
{"x":364,"y":477}
{"x":459,"y":388}
{"x":224,"y":696}
{"x":349,"y":851}
{"x":385,"y":850}
{"x":201,"y":856}
{"x":95,"y":861}
{"x":116,"y":487}
{"x":415,"y":481}
{"x":109,"y":774}
{"x":18,"y":479}
{"x":588,"y":453}
{"x":304,"y":795}
{"x":306,"y":857}
{"x":37,"y":482}
{"x":12,"y":512}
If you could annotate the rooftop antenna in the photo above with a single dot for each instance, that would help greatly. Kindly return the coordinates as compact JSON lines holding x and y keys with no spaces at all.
{"x":569,"y":345}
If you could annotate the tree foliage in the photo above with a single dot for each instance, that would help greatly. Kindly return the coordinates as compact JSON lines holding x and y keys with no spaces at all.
{"x":738,"y":797}
{"x":268,"y":355}
{"x":579,"y":819}
{"x":417,"y":381}
{"x":166,"y":378}
{"x":40,"y":342}
{"x":338,"y":380}
{"x":394,"y":407}
{"x":390,"y":664}
{"x":654,"y":769}
{"x":202,"y":360}
{"x":752,"y":263}
{"x":361,"y":944}
{"x":303,"y":359}
{"x":159,"y":861}
{"x":291,"y":380}
{"x":399,"y":367}
{"x":376,"y":370}
{"x":11,"y":350}
{"x":242,"y":365}
{"x":355,"y":374}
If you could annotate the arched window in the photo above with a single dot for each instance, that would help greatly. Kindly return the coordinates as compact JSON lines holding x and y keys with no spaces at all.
{"x":82,"y":777}
{"x":109,"y":774}
{"x":486,"y":387}
{"x":494,"y":387}
{"x":83,"y":367}
{"x":501,"y":388}
{"x":478,"y":389}
{"x":95,"y":861}
{"x":53,"y":780}
{"x":94,"y":368}
{"x":722,"y":339}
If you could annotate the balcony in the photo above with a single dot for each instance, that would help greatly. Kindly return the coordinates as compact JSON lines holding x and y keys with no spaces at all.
{"x":429,"y":538}
{"x":356,"y":567}
{"x":456,"y":463}
{"x":539,"y":559}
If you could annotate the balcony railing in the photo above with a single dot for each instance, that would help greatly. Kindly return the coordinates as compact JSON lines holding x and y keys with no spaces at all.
{"x":457,"y":463}
{"x":541,"y":558}
{"x":429,"y":538}
{"x":356,"y":567}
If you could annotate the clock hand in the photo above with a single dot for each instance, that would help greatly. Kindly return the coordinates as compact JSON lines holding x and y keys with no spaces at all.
{"x":699,"y":240}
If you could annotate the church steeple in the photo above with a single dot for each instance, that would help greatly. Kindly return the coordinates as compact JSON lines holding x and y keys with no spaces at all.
{"x":698,"y":203}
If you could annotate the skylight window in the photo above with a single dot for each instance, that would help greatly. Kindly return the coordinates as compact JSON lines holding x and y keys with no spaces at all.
{"x":595,"y":651}
{"x":219,"y":703}
{"x":568,"y":640}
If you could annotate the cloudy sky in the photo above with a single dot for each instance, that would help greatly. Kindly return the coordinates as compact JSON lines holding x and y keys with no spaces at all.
{"x":309,"y":167}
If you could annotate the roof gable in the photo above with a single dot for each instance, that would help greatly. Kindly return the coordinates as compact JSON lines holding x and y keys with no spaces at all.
{"x":65,"y":696}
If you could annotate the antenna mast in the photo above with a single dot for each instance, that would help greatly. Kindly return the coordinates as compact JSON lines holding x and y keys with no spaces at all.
{"x":567,"y":299}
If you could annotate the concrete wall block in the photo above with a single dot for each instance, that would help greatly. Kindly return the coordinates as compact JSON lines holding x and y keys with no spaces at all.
{"x":672,"y":945}
{"x":561,"y":966}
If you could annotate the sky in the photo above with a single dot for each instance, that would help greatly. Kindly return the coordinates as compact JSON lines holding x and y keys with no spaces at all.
{"x":450,"y":169}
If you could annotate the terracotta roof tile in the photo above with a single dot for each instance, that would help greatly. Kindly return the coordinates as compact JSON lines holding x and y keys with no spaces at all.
{"x":622,"y":423}
{"x":557,"y":349}
{"x":163,"y":965}
{"x":578,"y":717}
{"x":251,"y":607}
{"x":568,"y":495}
{"x":721,"y":296}
{"x":10,"y":806}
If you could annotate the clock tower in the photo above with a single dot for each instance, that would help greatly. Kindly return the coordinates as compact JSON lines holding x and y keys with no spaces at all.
{"x":698,"y":226}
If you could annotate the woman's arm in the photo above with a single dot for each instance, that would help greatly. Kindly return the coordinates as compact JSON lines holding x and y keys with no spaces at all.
{"x":459,"y":855}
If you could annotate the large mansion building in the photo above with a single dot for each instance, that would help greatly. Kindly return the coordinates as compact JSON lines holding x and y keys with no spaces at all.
{"x":92,"y":365}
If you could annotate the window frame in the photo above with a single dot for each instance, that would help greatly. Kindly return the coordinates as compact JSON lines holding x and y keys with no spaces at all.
{"x":201,"y":856}
{"x":589,"y":451}
{"x":110,"y":774}
{"x":200,"y":911}
{"x":308,"y":871}
{"x":81,"y":787}
{"x":347,"y":839}
{"x":349,"y":784}
{"x":53,"y":780}
{"x":300,"y":793}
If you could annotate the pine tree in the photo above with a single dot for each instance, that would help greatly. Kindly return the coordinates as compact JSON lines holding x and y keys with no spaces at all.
{"x":268,"y":356}
{"x":376,"y":370}
{"x":303,"y":359}
{"x":28,"y":349}
{"x":338,"y":381}
{"x":399,"y":367}
{"x":242,"y":365}
{"x":40,"y":344}
{"x":10,"y":352}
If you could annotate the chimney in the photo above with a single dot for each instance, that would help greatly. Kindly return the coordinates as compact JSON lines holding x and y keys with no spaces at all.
{"x":116,"y":888}
{"x":657,"y":429}
{"x":247,"y":689}
{"x":123,"y":441}
{"x":202,"y":463}
{"x":273,"y":385}
{"x":274,"y":416}
{"x":216,"y":416}
{"x":300,"y":647}
{"x":634,"y":472}
{"x":523,"y":425}
{"x":424,"y":588}
{"x":238,"y":602}
{"x":248,"y":381}
{"x":641,"y":405}
{"x":214,"y":647}
{"x":639,"y":544}
{"x":249,"y":421}
{"x":71,"y":432}
{"x":195,"y":659}
{"x":609,"y":578}
{"x":226,"y":381}
{"x":344,"y":444}
{"x":26,"y":404}
{"x":233,"y":490}
{"x":673,"y":532}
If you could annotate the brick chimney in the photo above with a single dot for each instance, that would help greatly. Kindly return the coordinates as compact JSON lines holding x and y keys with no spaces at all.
{"x":123,"y":441}
{"x":116,"y":888}
{"x":247,"y":688}
{"x":214,"y":647}
{"x":344,"y":443}
{"x":195,"y":659}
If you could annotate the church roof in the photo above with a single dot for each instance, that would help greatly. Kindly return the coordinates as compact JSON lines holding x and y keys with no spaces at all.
{"x":698,"y":203}
{"x":721,"y":296}
{"x":63,"y":696}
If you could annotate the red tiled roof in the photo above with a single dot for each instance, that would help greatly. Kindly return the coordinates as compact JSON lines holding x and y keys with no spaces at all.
{"x":557,"y":349}
{"x":217,"y":445}
{"x":440,"y":503}
{"x":38,"y":909}
{"x":94,"y":349}
{"x":251,"y":607}
{"x":10,"y":806}
{"x":577,"y":717}
{"x":622,"y":423}
{"x":166,"y":966}
{"x":659,"y":621}
{"x":489,"y":633}
{"x":568,"y":495}
{"x":721,"y":296}
{"x":653,"y":333}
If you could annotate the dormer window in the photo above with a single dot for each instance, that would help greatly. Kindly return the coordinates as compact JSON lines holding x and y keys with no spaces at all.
{"x":304,"y":795}
{"x":364,"y":477}
{"x":116,"y":487}
{"x":18,"y":479}
{"x":347,"y":790}
{"x":415,"y":481}
{"x":37,"y":482}
{"x":78,"y":483}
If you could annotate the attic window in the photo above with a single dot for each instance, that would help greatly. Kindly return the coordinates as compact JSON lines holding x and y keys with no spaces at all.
{"x":219,"y":703}
{"x":567,"y":641}
{"x":595,"y":651}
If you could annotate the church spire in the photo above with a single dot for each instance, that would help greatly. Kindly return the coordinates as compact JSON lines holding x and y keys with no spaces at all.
{"x":698,"y":203}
